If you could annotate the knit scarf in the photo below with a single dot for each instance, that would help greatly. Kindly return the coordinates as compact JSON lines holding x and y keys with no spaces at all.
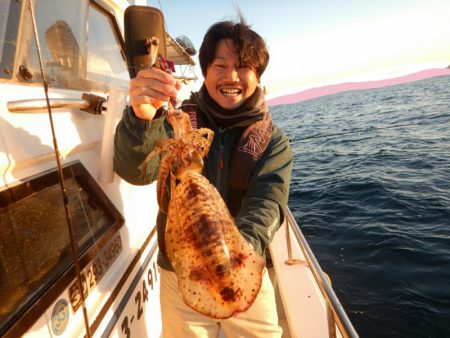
{"x":252,"y":110}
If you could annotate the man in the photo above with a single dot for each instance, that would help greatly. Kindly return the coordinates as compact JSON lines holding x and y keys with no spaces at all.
{"x":249,"y":162}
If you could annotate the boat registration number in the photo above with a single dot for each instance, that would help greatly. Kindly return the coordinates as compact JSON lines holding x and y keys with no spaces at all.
{"x":93,"y":273}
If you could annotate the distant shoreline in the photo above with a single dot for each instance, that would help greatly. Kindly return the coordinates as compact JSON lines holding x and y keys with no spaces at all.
{"x":347,"y":86}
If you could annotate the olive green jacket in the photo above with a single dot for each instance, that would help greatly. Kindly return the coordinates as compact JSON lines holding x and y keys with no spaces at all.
{"x":265,"y":202}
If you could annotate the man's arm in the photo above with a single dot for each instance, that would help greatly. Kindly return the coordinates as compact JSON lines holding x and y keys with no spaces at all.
{"x":140,"y":127}
{"x":264,"y":205}
{"x":134,"y":140}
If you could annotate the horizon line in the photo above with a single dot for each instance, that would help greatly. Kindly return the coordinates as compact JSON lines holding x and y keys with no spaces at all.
{"x":330,"y":89}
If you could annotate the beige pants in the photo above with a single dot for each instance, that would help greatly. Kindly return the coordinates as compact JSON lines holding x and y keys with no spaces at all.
{"x":179,"y":320}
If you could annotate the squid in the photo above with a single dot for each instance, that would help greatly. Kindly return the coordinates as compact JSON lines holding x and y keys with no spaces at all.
{"x":219,"y":273}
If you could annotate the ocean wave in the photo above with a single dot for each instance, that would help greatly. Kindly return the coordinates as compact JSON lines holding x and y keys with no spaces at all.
{"x":371,"y":192}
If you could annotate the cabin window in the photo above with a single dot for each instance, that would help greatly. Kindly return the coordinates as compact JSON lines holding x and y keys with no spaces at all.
{"x":61,"y":27}
{"x":35,"y":249}
{"x":80,"y":45}
{"x":105,"y":60}
{"x":9,"y":18}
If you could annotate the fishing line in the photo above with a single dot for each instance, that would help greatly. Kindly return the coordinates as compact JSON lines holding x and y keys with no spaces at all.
{"x":60,"y":172}
{"x":165,"y":22}
{"x":186,"y":69}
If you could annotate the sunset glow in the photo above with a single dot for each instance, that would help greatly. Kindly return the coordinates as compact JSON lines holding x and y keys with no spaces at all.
{"x":327,"y":42}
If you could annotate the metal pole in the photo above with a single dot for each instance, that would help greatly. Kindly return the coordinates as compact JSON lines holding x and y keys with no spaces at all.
{"x":343,"y":322}
{"x":61,"y":178}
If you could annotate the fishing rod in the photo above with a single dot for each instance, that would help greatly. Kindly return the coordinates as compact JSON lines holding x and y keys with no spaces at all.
{"x":61,"y":175}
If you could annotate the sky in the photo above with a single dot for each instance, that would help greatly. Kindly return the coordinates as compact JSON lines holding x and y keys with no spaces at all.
{"x":320,"y":42}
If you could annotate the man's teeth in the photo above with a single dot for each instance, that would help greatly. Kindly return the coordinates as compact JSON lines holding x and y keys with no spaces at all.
{"x":230,"y":91}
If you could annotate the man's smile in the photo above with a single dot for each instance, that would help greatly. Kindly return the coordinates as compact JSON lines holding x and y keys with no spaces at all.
{"x":230,"y":91}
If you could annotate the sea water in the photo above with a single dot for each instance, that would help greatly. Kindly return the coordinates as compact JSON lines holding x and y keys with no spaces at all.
{"x":371,"y":192}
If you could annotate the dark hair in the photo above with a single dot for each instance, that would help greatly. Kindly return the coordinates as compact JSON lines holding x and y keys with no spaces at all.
{"x":250,"y":47}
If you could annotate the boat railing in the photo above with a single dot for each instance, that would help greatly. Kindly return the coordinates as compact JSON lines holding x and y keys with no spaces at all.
{"x":335,"y":312}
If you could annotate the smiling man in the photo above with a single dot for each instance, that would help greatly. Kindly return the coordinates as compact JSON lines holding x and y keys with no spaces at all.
{"x":229,"y":82}
{"x":249,"y":162}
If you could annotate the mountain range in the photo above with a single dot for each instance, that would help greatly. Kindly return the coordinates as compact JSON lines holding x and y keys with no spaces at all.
{"x":346,"y":86}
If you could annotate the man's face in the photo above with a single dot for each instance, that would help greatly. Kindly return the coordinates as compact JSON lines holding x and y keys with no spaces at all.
{"x":228,"y":82}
